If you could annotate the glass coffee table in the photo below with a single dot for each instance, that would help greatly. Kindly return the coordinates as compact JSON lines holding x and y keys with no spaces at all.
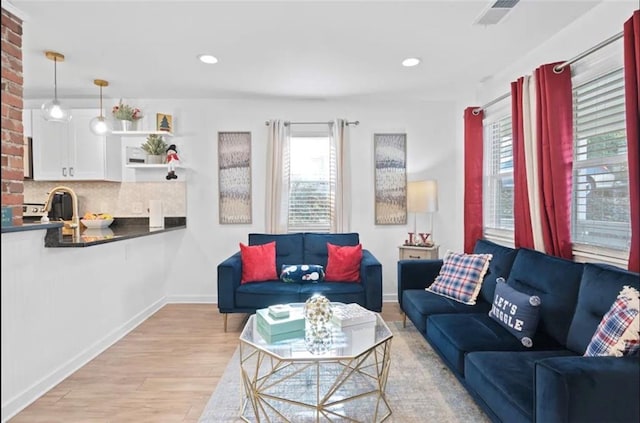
{"x":283,"y":381}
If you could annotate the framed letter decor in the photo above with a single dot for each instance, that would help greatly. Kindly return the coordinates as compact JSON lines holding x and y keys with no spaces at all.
{"x":234,"y":177}
{"x":390,"y":178}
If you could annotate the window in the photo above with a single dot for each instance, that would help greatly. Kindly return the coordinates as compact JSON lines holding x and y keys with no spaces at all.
{"x":600,"y":172}
{"x":498,"y":162}
{"x":311,"y":173}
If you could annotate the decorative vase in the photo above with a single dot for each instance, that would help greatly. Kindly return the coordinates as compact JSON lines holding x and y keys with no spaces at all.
{"x":126,"y":125}
{"x":155,"y":159}
{"x":318,"y":334}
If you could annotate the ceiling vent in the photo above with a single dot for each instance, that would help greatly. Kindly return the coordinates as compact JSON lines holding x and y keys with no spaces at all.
{"x":494,"y":13}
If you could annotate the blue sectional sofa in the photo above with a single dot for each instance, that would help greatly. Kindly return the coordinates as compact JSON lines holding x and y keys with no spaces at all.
{"x":551,"y":381}
{"x":298,"y":248}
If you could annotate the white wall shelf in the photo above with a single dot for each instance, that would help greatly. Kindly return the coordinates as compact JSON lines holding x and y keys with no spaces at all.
{"x":150,"y":166}
{"x":141,"y":133}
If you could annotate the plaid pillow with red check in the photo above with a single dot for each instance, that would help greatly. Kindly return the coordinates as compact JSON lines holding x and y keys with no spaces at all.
{"x":461,"y":276}
{"x":618,"y":333}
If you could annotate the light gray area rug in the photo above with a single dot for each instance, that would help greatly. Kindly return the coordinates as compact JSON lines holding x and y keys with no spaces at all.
{"x":420,"y":387}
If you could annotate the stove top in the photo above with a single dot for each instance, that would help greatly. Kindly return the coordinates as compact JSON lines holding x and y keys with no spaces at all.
{"x":33,"y":210}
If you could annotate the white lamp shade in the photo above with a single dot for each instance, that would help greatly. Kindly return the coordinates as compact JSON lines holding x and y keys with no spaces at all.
{"x":100,"y":126}
{"x":53,"y":111}
{"x":422,"y":196}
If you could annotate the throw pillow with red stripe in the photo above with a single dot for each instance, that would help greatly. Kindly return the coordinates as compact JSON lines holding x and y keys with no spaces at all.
{"x":618,"y":333}
{"x":461,"y":276}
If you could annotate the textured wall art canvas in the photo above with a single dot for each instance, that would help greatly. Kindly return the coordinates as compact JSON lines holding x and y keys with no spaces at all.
{"x":390,"y":179}
{"x":234,"y":177}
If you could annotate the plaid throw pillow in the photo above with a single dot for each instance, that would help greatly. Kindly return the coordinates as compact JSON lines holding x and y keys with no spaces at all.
{"x":461,"y":276}
{"x":619,"y":330}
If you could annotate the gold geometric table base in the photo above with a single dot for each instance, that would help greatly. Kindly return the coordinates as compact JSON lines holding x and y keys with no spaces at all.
{"x":314,"y":390}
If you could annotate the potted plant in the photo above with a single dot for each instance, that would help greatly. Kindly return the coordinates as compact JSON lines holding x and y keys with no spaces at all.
{"x":156,"y":149}
{"x":126,"y":114}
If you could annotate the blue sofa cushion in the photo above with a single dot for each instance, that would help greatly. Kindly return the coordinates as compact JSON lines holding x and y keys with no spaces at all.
{"x":599,"y":288}
{"x":516,"y":312}
{"x":419,"y":304}
{"x":334,"y":291}
{"x":499,"y":266}
{"x":504,"y":381}
{"x":454,"y":335}
{"x":264,"y":294}
{"x":289,"y":247}
{"x":310,"y":273}
{"x":315,"y":245}
{"x":555,"y":281}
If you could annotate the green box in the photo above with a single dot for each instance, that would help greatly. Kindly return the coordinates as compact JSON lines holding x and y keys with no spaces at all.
{"x":263,"y":330}
{"x":7,"y":216}
{"x":294,"y":322}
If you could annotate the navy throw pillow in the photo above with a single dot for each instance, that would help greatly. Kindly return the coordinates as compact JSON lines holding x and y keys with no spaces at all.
{"x":516,"y":311}
{"x":302,"y":273}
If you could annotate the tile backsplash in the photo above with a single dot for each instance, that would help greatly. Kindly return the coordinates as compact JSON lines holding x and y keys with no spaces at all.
{"x":121,"y":199}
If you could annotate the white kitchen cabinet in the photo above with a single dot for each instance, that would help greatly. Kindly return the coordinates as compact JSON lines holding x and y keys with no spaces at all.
{"x":70,"y":151}
{"x":26,"y":122}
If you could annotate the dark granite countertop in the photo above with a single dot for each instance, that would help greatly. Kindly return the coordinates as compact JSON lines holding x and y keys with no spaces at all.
{"x":121,"y":229}
{"x":33,"y":225}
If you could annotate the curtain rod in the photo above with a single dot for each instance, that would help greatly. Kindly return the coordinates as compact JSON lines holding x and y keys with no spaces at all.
{"x":585,"y":53}
{"x":356,"y":123}
{"x":476,"y":111}
{"x":560,"y":67}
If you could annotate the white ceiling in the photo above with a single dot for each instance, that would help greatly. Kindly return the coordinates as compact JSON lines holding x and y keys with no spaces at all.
{"x":286,"y":49}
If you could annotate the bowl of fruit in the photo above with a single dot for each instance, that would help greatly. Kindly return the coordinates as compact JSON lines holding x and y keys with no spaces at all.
{"x":96,"y":220}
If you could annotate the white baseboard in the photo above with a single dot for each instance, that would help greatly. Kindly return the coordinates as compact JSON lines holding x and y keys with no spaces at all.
{"x":390,"y":298}
{"x":192,"y":299}
{"x":35,"y":391}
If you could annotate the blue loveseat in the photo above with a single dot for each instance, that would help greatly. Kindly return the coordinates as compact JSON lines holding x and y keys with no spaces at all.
{"x":298,"y":248}
{"x":552,"y":381}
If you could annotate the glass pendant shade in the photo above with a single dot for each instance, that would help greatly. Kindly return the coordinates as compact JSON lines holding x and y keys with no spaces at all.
{"x":53,"y":111}
{"x":99,"y":125}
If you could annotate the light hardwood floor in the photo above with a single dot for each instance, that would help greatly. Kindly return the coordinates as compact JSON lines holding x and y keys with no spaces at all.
{"x":165,"y":370}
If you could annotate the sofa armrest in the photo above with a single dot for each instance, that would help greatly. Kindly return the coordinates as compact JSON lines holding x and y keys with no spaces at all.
{"x":416,"y":274}
{"x":229,"y":276}
{"x":587,"y":389}
{"x":371,"y":278}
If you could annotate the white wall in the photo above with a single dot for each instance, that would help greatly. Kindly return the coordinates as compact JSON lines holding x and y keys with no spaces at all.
{"x":431,"y":152}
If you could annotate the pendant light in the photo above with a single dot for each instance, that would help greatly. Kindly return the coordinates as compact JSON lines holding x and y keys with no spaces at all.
{"x":53,"y":111}
{"x":99,"y":125}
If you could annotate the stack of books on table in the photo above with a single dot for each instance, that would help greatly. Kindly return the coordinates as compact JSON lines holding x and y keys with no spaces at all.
{"x":275,"y":329}
{"x":345,"y":315}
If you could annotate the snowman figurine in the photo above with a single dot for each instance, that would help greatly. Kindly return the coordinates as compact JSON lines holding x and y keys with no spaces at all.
{"x":172,"y":160}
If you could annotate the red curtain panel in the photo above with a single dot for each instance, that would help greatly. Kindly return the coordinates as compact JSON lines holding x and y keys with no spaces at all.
{"x":523,"y":234}
{"x":632,"y":103}
{"x":473,"y":149}
{"x":554,"y":125}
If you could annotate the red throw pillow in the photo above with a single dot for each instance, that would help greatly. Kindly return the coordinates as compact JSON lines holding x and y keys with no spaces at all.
{"x":343,"y":263}
{"x":258,"y":262}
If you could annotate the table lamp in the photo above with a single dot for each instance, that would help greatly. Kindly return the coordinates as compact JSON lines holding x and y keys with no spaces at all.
{"x":422,"y":197}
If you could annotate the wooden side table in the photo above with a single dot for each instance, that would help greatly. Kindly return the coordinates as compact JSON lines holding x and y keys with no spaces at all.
{"x":412,"y":252}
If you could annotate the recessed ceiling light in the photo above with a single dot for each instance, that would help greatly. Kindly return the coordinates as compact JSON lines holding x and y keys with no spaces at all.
{"x":208,"y":59}
{"x":411,"y":61}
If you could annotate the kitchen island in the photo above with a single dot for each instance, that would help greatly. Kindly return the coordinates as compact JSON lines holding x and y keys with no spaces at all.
{"x":121,"y":229}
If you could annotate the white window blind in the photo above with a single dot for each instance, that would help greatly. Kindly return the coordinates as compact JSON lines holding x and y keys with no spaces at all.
{"x":498,"y":181}
{"x":312,"y":175}
{"x":600,"y":166}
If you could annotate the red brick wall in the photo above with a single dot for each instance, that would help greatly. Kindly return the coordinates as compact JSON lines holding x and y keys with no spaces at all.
{"x":12,"y":130}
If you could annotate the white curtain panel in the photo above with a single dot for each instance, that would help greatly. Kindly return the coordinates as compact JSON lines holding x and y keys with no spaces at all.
{"x":531,"y":159}
{"x":277,"y":211}
{"x":340,"y":185}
